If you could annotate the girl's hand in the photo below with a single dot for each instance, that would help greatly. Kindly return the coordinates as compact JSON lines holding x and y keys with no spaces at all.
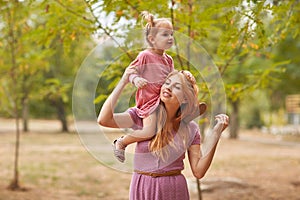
{"x":140,"y":82}
{"x":222,"y":123}
{"x":128,"y":71}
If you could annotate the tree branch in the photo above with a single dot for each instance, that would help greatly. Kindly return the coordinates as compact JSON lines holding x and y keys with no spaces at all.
{"x":99,"y":25}
{"x":175,"y":42}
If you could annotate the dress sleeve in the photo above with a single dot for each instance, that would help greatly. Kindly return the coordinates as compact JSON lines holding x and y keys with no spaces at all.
{"x":196,"y":133}
{"x":138,"y":122}
{"x":196,"y":138}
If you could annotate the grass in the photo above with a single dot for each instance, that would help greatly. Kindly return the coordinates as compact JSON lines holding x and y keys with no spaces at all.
{"x":56,"y":166}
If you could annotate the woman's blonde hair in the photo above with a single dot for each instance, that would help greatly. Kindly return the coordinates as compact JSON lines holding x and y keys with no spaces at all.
{"x":165,"y":133}
{"x":152,"y":25}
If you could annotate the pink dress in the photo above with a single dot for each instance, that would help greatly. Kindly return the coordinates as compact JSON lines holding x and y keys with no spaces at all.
{"x":144,"y":187}
{"x":154,"y":68}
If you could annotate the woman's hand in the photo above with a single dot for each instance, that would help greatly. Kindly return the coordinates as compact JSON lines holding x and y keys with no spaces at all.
{"x":222,"y":123}
{"x":128,"y":71}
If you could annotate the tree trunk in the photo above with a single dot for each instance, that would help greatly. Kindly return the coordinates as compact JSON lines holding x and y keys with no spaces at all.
{"x":61,"y":113}
{"x":12,"y":43}
{"x":199,"y":189}
{"x":234,"y":120}
{"x":14,"y":185}
{"x":25,"y":115}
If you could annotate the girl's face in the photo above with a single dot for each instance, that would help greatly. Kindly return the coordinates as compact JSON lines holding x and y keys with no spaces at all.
{"x":164,"y":38}
{"x":171,"y":92}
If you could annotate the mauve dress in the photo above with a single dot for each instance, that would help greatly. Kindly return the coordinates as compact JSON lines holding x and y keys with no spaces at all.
{"x":144,"y":187}
{"x":154,"y":68}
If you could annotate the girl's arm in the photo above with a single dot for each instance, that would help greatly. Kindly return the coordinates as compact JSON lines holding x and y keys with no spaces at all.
{"x":107,"y":117}
{"x":200,"y":164}
{"x":149,"y":128}
{"x":148,"y":131}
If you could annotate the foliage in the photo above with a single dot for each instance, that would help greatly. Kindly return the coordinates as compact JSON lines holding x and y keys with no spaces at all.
{"x":23,"y":63}
{"x":246,"y":39}
{"x":290,"y":80}
{"x":52,"y":41}
{"x":239,"y":35}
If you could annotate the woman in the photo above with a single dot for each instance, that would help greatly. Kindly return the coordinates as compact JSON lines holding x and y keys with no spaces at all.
{"x":158,"y":162}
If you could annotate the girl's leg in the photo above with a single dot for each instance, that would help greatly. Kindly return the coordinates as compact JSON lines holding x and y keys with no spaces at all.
{"x":148,"y":131}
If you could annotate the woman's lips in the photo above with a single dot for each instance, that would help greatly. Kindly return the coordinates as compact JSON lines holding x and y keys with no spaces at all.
{"x":166,"y":94}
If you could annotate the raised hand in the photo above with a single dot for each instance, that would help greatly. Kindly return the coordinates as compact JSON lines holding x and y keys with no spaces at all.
{"x":222,"y":123}
{"x":128,"y":71}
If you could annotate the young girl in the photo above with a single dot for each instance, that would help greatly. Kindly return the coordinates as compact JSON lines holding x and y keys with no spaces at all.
{"x":151,"y":69}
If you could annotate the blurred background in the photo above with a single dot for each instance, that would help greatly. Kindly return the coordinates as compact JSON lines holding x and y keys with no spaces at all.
{"x":254,"y":44}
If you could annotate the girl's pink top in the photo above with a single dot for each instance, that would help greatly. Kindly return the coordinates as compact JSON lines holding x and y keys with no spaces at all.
{"x":154,"y":68}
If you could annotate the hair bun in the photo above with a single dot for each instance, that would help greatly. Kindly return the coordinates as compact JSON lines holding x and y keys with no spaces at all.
{"x":149,"y":18}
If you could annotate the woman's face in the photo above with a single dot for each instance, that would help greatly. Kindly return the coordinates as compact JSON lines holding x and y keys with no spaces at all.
{"x":171,"y":92}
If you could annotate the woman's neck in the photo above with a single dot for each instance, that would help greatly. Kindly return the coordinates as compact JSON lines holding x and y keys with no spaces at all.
{"x":171,"y":113}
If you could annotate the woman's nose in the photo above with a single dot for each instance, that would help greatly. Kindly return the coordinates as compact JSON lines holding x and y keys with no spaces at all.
{"x":169,"y":87}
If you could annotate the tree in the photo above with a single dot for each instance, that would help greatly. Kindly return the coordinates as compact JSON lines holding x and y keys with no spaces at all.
{"x":67,"y":32}
{"x":287,"y":49}
{"x":261,"y":67}
{"x":25,"y":46}
{"x":28,"y":61}
{"x":21,"y":66}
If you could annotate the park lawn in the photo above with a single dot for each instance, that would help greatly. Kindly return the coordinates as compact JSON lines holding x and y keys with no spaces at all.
{"x":56,"y":166}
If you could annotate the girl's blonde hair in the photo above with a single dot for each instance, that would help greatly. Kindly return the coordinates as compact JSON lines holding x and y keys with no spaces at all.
{"x":165,"y":133}
{"x":152,"y":24}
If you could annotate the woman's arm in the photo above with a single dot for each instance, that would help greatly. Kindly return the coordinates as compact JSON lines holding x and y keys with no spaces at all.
{"x":199,"y":162}
{"x":107,"y":117}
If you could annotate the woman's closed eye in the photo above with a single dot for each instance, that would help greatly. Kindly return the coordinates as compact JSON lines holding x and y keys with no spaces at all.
{"x":174,"y":85}
{"x":167,"y":82}
{"x":177,"y":86}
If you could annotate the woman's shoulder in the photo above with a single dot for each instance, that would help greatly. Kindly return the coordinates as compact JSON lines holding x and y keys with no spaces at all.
{"x":193,"y":125}
{"x":194,"y":132}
